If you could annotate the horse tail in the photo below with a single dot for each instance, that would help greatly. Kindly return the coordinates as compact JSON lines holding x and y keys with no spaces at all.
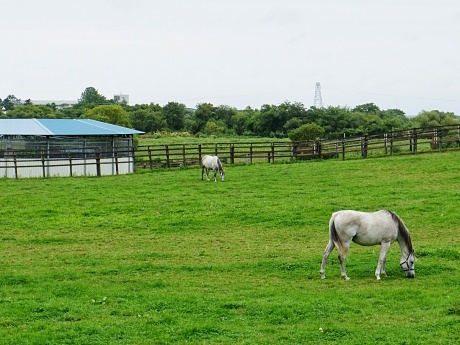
{"x":402,"y":231}
{"x":333,"y":234}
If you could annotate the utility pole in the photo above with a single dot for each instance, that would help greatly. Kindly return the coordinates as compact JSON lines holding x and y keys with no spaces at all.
{"x":318,"y":103}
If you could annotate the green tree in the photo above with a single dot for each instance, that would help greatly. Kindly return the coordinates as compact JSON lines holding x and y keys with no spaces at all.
{"x":225,"y":113}
{"x":268,"y":122}
{"x":203,"y":113}
{"x":113,"y":114}
{"x":309,"y":131}
{"x":174,"y":114}
{"x":147,"y":120}
{"x":368,"y":108}
{"x":334,"y":120}
{"x":293,"y":123}
{"x":394,"y":119}
{"x":214,"y":127}
{"x":10,"y":102}
{"x":32,"y":111}
{"x":91,"y":98}
{"x":435,"y":118}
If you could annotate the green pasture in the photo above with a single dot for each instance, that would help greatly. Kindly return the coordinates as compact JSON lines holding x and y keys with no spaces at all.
{"x":161,"y":257}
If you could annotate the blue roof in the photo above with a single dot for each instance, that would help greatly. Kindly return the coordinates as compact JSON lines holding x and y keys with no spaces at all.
{"x":67,"y":127}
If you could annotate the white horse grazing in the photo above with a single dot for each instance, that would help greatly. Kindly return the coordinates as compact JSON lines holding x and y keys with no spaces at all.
{"x":212,"y":163}
{"x":368,"y":229}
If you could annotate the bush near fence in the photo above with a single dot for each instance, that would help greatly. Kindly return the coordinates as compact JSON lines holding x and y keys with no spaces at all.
{"x":417,"y":140}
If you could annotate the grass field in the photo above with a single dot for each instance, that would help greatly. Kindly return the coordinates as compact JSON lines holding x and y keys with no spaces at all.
{"x":161,"y":257}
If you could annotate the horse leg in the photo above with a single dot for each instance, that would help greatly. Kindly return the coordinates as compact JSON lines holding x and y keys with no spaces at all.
{"x":342,"y":257}
{"x":327,"y":251}
{"x":383,"y":266}
{"x":215,"y":173}
{"x":202,"y":172}
{"x":382,"y":259}
{"x":207,"y":174}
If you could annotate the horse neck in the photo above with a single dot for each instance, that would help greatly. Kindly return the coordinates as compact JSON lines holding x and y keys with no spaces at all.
{"x":405,"y":244}
{"x":219,"y":165}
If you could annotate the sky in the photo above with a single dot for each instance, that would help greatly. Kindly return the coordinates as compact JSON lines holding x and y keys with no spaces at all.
{"x":402,"y":54}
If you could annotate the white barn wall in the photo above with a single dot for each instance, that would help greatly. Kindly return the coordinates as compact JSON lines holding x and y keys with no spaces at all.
{"x":27,"y":168}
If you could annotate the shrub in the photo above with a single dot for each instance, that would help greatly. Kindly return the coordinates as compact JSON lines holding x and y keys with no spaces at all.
{"x":309,"y":131}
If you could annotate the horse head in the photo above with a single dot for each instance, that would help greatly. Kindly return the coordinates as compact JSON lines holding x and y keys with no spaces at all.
{"x":407,"y":265}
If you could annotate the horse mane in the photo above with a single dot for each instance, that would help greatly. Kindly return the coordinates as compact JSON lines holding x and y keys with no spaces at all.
{"x":403,"y":231}
{"x":219,"y":164}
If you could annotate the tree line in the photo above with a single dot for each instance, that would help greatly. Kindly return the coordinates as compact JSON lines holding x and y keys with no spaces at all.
{"x":288,"y":119}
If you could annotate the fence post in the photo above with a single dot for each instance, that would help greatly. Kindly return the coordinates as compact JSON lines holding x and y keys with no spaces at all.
{"x":232,"y":153}
{"x":414,"y":135}
{"x":133,"y":154}
{"x":440,"y":140}
{"x":43,"y":166}
{"x":273,"y":152}
{"x":70,"y":164}
{"x":149,"y":152}
{"x":385,"y":142}
{"x":199,"y":153}
{"x":364,"y":146}
{"x":15,"y":165}
{"x":98,"y":162}
{"x":391,"y":142}
{"x":319,"y":148}
{"x":116,"y":160}
{"x":343,"y":148}
{"x":183,"y":155}
{"x":250,"y":154}
{"x":410,"y":141}
{"x":215,"y":150}
{"x":167,"y":156}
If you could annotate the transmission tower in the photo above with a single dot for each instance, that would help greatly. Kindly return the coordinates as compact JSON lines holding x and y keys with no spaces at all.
{"x":318,"y":103}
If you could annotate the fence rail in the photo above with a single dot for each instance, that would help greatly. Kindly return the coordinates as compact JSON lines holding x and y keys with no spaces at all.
{"x":93,"y":161}
{"x":78,"y":162}
{"x":412,"y":141}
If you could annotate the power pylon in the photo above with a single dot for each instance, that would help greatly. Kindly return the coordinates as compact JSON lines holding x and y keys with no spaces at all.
{"x":318,"y":103}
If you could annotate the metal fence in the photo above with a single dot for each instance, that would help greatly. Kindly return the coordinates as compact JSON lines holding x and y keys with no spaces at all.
{"x":22,"y":157}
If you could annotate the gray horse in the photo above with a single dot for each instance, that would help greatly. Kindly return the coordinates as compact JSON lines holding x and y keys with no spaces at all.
{"x":368,"y":229}
{"x":212,"y":163}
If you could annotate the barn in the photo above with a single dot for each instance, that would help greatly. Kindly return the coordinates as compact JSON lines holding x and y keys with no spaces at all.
{"x":64,"y":147}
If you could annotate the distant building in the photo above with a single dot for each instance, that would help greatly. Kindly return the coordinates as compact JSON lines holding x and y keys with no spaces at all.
{"x":60,"y":104}
{"x":121,"y":98}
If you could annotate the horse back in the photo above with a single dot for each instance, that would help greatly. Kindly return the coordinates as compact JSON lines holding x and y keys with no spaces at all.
{"x":365,"y":228}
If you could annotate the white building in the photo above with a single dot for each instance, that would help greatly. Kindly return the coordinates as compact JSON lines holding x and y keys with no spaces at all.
{"x":64,"y":147}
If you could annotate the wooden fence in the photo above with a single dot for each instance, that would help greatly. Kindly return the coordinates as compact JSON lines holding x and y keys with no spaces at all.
{"x":92,"y":161}
{"x":413,"y":141}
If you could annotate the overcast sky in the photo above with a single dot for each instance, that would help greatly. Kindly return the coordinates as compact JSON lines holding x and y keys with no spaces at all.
{"x":401,"y":54}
